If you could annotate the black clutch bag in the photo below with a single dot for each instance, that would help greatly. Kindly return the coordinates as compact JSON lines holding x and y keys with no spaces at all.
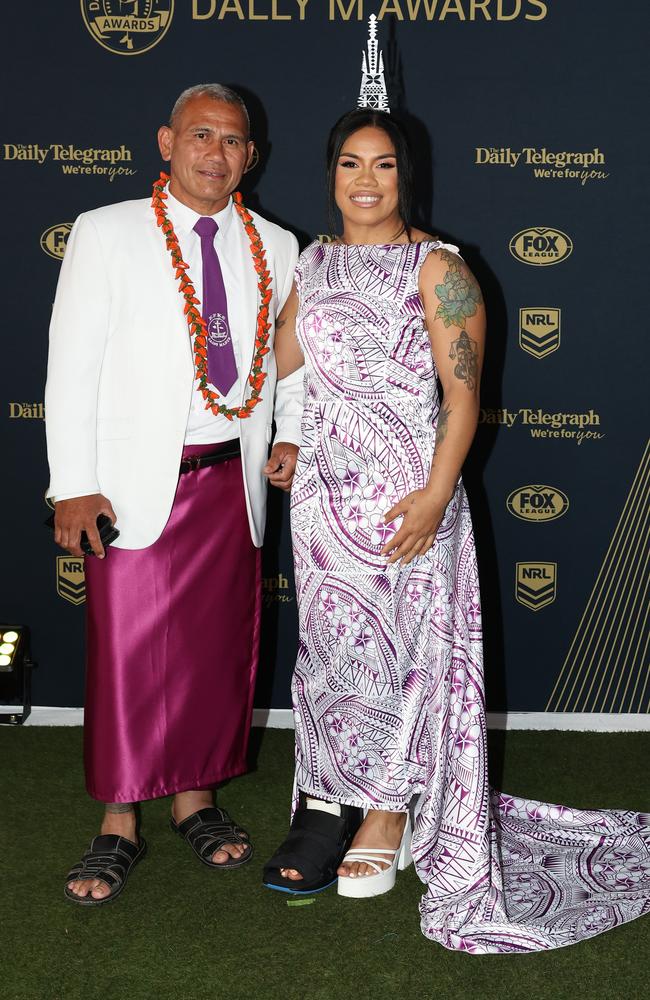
{"x":107,"y":533}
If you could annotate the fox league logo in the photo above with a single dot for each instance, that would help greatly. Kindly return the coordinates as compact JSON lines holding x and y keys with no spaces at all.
{"x":539,"y":330}
{"x":54,"y":240}
{"x":537,"y":503}
{"x":541,"y":246}
{"x":127,"y":27}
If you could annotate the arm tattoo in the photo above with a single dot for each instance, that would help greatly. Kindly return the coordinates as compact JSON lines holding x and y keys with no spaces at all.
{"x":459,"y":297}
{"x":465,"y":352}
{"x":459,"y":293}
{"x":441,"y":425}
{"x":279,"y":323}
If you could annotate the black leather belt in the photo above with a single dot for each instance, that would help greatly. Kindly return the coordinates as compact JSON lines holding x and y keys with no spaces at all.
{"x":230,"y":449}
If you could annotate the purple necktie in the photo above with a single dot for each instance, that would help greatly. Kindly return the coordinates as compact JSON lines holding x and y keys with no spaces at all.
{"x":222,"y":367}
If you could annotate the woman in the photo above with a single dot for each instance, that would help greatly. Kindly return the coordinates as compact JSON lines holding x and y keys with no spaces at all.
{"x":388,"y":687}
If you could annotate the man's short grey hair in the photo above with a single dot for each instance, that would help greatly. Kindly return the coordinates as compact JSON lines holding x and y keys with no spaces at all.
{"x":217,"y":92}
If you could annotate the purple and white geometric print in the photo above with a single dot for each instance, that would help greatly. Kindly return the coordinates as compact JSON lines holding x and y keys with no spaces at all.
{"x":388,"y":688}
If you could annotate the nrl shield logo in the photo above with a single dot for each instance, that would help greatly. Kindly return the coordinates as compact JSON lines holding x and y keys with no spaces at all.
{"x":539,"y":330}
{"x":535,"y":584}
{"x":70,"y":579}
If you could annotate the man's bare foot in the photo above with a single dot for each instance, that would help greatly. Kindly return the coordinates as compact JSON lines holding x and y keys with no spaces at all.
{"x":186,"y":803}
{"x":121,"y":824}
{"x":380,"y":829}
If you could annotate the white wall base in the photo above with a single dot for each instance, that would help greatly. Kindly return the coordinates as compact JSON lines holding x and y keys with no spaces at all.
{"x":586,"y":722}
{"x":282,"y":718}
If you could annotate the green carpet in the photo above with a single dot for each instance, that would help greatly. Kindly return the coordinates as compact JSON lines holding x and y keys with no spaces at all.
{"x":181,"y":931}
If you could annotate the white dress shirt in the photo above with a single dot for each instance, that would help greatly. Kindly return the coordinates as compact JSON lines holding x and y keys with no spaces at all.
{"x":203,"y":427}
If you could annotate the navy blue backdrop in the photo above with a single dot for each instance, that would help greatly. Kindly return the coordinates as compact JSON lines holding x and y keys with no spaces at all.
{"x":527,"y":121}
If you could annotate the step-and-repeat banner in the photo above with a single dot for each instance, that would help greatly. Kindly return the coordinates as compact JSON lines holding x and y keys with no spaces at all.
{"x":527,"y":119}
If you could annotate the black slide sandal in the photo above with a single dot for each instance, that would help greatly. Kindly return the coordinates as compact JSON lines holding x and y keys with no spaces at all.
{"x":207,"y":830}
{"x":315,"y":846}
{"x":110,"y":859}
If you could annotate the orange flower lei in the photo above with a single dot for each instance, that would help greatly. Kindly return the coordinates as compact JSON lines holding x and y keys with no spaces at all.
{"x":195,"y":322}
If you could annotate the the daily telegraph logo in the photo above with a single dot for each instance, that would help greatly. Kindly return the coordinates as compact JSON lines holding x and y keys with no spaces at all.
{"x":537,"y":503}
{"x":536,"y":584}
{"x":55,"y":239}
{"x":539,"y":330}
{"x":546,"y":164}
{"x":275,"y":590}
{"x":75,"y":161}
{"x":560,"y":426}
{"x":127,"y":27}
{"x":541,"y":246}
{"x":70,"y":579}
{"x":27,"y":411}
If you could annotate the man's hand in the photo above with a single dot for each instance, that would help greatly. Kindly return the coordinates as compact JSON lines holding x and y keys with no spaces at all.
{"x":281,"y":465}
{"x":71,"y":517}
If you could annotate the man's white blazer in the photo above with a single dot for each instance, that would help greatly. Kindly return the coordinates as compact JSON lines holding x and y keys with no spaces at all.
{"x":120,"y":370}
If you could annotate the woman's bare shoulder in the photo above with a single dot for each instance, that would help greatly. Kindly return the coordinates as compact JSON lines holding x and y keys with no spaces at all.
{"x":419,"y":236}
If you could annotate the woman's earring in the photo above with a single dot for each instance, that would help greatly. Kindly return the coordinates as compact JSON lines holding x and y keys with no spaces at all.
{"x":254,"y":160}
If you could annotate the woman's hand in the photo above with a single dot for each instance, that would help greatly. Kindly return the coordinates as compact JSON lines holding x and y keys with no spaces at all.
{"x":423,"y":512}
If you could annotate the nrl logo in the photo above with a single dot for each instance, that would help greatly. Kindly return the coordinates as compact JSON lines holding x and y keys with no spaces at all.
{"x":70,"y":579}
{"x":539,"y":330}
{"x":535,"y":584}
{"x":127,"y":27}
{"x":537,"y":503}
{"x":541,"y":246}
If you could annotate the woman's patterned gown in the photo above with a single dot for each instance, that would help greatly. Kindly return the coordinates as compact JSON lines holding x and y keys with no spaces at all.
{"x":388,"y":688}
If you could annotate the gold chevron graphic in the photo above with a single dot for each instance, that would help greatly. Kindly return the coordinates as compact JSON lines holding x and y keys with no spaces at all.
{"x":607,"y":667}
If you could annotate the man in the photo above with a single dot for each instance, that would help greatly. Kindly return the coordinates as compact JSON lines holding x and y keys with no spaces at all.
{"x":160,"y":346}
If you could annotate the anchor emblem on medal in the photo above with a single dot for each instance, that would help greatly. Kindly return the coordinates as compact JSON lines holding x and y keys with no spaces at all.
{"x":218,"y":330}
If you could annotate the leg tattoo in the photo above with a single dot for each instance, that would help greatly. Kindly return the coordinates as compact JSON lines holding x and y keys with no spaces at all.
{"x":118,"y":807}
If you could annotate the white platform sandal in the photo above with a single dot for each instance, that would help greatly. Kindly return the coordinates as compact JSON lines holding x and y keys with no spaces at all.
{"x":384,"y":878}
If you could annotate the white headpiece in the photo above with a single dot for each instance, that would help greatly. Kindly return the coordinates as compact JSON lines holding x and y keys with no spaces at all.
{"x":373,"y":85}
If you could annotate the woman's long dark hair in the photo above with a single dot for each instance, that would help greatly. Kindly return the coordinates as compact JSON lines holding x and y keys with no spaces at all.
{"x":351,"y":122}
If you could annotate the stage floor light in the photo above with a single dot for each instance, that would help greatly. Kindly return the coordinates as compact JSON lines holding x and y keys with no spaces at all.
{"x":15,"y":674}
